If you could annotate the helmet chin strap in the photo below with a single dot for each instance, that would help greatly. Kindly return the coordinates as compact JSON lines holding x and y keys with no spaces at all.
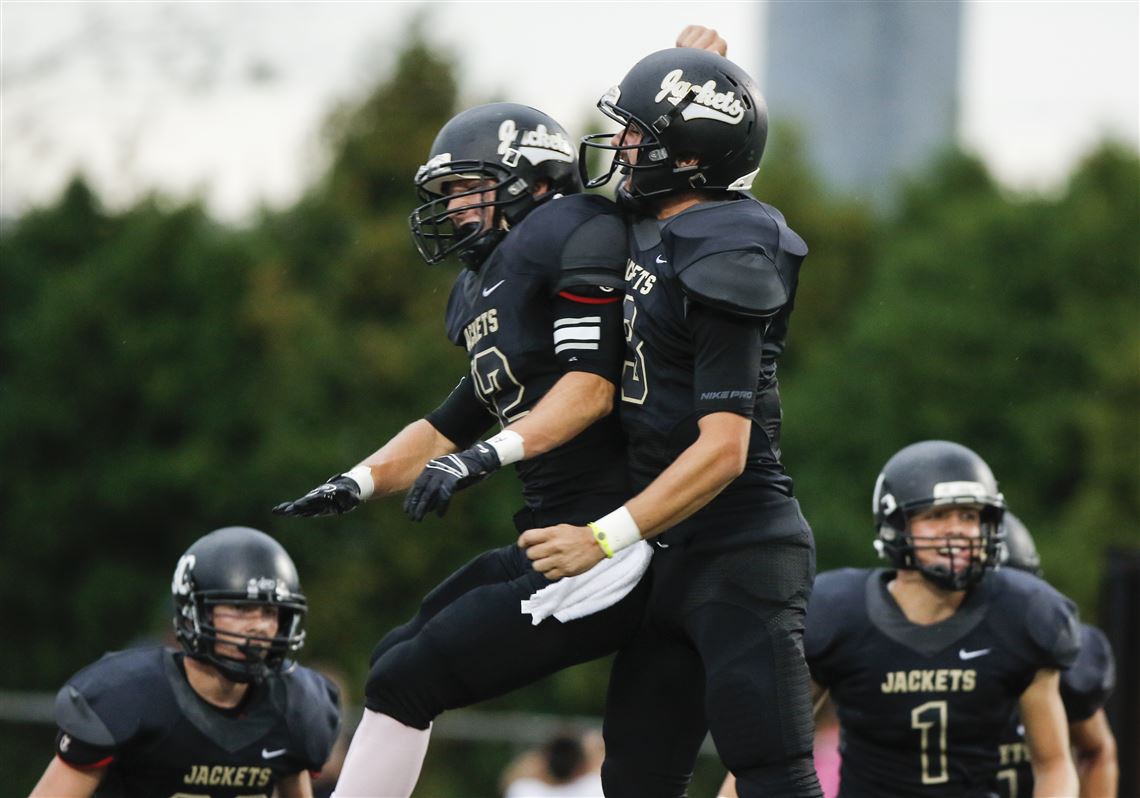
{"x":481,"y":247}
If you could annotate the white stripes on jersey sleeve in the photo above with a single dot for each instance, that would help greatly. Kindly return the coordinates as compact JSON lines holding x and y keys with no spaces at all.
{"x":582,"y":332}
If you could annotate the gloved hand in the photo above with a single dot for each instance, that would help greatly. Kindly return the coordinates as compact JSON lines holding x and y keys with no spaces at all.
{"x":443,"y":476}
{"x":339,"y":495}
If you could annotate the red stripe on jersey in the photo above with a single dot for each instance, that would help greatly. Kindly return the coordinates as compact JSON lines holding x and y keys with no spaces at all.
{"x":102,"y":763}
{"x":589,"y":300}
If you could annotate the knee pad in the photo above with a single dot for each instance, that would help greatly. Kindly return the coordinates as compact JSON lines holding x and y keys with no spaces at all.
{"x":792,"y":778}
{"x":625,"y":779}
{"x":404,"y":683}
{"x":758,"y":696}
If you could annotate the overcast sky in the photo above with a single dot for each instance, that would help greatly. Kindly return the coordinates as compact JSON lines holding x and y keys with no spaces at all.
{"x":226,"y":99}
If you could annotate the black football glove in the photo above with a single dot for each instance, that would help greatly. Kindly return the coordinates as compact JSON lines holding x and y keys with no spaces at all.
{"x":339,"y":495}
{"x":443,"y":476}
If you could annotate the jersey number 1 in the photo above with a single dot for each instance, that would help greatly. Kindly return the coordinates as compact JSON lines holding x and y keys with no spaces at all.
{"x":930,"y":720}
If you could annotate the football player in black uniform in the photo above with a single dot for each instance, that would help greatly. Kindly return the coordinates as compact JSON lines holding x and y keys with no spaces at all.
{"x":926,"y":661}
{"x":538,"y":309}
{"x":1085,"y":687}
{"x":231,"y":715}
{"x":710,"y":284}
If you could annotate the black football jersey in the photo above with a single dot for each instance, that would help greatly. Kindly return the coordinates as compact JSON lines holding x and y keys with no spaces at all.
{"x":135,"y":713}
{"x":506,"y":316}
{"x":679,"y":333}
{"x":922,"y":708}
{"x":1085,"y":687}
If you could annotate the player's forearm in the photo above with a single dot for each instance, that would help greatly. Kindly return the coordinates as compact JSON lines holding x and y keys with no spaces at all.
{"x":1095,"y":749}
{"x":571,"y":405}
{"x":696,"y":477}
{"x":1053,"y":777}
{"x":1097,"y":772}
{"x":1098,"y":777}
{"x":396,"y":464}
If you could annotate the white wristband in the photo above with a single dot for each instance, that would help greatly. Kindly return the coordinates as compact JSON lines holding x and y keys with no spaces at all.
{"x":362,"y":476}
{"x":508,"y":444}
{"x":616,"y":531}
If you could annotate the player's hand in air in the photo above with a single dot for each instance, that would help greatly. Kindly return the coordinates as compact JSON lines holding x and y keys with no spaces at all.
{"x":444,"y":476}
{"x":701,"y":38}
{"x":335,"y":497}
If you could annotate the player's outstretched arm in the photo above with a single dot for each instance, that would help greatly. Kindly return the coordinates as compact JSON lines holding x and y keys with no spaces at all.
{"x":61,"y":780}
{"x":571,"y":405}
{"x":1047,"y":731}
{"x":702,"y":38}
{"x":1095,"y":749}
{"x":390,"y":469}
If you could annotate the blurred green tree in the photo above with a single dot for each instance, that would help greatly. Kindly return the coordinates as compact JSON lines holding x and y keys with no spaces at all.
{"x":1005,"y":323}
{"x":162,"y":375}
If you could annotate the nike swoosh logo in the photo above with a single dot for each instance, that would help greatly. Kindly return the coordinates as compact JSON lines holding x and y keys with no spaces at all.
{"x":267,"y":754}
{"x":964,"y":654}
{"x":661,"y":259}
{"x":491,"y":290}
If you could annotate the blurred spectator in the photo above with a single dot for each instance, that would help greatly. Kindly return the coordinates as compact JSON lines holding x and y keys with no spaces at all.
{"x":568,"y":764}
{"x":826,"y":748}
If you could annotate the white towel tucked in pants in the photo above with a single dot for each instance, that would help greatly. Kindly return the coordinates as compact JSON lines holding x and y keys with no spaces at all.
{"x":602,"y":586}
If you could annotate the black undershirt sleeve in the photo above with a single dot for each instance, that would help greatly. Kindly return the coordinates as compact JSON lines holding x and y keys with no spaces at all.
{"x":726,"y":360}
{"x":462,"y":418}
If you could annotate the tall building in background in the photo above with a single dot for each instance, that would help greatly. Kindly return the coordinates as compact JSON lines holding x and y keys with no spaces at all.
{"x":872,"y":86}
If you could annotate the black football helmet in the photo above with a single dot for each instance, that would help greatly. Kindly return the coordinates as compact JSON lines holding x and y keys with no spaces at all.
{"x":931,"y":474}
{"x":1019,"y":550}
{"x":515,"y":147}
{"x":242,"y":566}
{"x":685,"y":103}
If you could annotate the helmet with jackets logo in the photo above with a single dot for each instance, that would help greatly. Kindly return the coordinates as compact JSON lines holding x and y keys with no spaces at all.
{"x":516,"y":156}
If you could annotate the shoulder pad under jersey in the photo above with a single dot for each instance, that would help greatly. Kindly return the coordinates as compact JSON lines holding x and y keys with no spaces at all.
{"x":737,"y":256}
{"x":1036,"y":620}
{"x":578,"y":239}
{"x":837,"y":600}
{"x":313,"y":714}
{"x":1086,"y":686}
{"x":104,"y":704}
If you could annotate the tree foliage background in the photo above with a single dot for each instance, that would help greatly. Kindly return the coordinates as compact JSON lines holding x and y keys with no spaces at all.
{"x":162,"y":375}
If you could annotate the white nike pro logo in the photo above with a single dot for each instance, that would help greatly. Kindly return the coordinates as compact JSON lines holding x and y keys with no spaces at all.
{"x":964,"y":654}
{"x":267,"y":754}
{"x":491,"y":290}
{"x":661,"y":259}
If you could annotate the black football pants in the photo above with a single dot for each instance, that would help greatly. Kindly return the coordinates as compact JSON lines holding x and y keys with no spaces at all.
{"x":470,"y":641}
{"x":721,"y":647}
